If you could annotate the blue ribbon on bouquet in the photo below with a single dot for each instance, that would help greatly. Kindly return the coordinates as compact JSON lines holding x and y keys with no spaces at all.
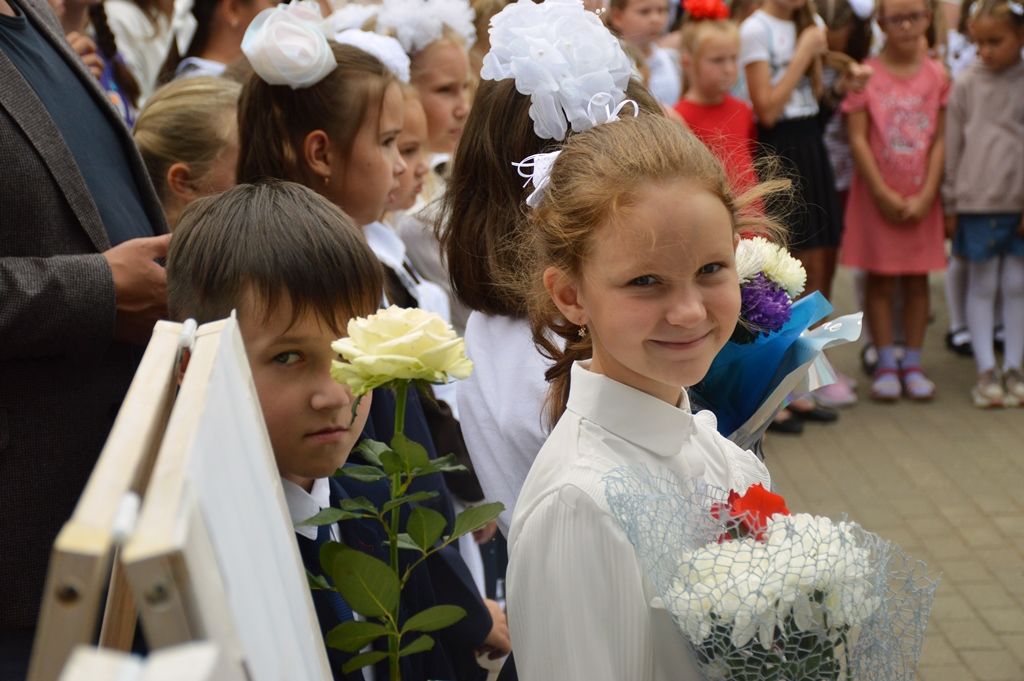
{"x":743,"y":375}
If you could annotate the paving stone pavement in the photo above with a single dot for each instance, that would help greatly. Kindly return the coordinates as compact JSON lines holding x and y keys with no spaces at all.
{"x":945,"y":481}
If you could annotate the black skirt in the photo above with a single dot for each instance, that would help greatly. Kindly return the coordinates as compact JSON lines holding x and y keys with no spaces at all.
{"x":814,"y":217}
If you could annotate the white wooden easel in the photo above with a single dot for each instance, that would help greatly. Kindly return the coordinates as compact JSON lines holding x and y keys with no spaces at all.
{"x":211,"y":556}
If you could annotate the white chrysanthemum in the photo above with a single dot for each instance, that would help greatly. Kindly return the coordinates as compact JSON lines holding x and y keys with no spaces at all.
{"x":561,"y":56}
{"x":418,"y":23}
{"x":807,"y":568}
{"x":786,"y":271}
{"x":751,"y":255}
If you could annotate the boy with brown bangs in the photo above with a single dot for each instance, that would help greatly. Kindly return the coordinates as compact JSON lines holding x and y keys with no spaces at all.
{"x":296,"y":270}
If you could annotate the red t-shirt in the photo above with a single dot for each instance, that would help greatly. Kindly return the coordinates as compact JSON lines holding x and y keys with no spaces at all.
{"x":728,"y":129}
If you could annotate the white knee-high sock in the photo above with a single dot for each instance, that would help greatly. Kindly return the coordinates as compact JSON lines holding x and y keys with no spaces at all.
{"x":982,"y":282}
{"x":860,"y":284}
{"x":956,"y":293}
{"x":1012,"y":288}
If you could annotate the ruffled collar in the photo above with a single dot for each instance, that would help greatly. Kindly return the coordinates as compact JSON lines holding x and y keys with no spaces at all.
{"x":385,"y":244}
{"x":631,"y":414}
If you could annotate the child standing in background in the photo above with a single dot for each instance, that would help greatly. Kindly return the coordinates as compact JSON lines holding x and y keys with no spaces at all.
{"x":893,"y":217}
{"x":640,"y":23}
{"x":711,"y":46}
{"x":781,"y":45}
{"x":984,"y":193}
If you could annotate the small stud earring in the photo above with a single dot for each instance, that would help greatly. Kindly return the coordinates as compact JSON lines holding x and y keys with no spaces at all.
{"x":582,"y":331}
{"x":327,"y":180}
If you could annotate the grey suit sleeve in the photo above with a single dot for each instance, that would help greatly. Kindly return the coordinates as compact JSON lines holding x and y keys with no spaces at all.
{"x":55,"y":306}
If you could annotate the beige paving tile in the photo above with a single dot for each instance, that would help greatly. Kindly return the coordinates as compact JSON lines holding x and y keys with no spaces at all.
{"x":993,"y":666}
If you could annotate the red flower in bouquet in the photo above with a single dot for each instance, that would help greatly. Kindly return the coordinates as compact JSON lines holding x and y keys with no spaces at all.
{"x":751,"y":510}
{"x":705,"y":9}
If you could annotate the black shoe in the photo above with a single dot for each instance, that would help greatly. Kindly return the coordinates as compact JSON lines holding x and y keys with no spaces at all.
{"x":959,"y":342}
{"x":790,"y":426}
{"x":818,"y":414}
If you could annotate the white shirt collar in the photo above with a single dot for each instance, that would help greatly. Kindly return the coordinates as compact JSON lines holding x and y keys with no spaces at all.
{"x":303,"y":504}
{"x":629,"y":413}
{"x":385,"y":244}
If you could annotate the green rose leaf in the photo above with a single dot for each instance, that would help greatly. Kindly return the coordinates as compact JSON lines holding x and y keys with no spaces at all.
{"x":420,"y":645}
{"x":316,"y":581}
{"x":476,"y":517}
{"x":392,"y":463}
{"x":425,"y":527}
{"x":329,"y":552}
{"x":362,"y":473}
{"x":328,"y":516}
{"x":432,"y":619}
{"x":407,"y":499}
{"x":358,"y":504}
{"x":364,"y":660}
{"x":405,"y":542}
{"x":371,"y":451}
{"x":449,"y":463}
{"x":412,"y":453}
{"x":368,"y":584}
{"x":354,"y":636}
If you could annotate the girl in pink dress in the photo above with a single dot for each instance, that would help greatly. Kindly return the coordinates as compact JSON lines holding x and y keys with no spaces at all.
{"x":894,"y":221}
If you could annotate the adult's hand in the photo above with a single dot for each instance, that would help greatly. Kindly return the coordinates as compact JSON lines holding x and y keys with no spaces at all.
{"x":85,"y":48}
{"x":140,"y":287}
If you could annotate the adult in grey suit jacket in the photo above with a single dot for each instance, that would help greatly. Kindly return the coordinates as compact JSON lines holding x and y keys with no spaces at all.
{"x":78,"y":295}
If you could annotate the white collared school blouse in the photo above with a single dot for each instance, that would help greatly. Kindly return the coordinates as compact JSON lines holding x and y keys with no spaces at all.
{"x":579,"y":605}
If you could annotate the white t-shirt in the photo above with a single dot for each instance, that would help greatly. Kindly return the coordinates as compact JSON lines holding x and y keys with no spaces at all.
{"x":765,"y":38}
{"x":666,"y":82}
{"x":143,"y":44}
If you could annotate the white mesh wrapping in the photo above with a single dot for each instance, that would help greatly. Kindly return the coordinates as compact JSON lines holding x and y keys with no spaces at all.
{"x":812,"y":600}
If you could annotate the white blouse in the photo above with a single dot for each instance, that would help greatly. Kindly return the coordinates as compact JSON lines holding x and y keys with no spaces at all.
{"x":580,"y":606}
{"x":500,"y":406}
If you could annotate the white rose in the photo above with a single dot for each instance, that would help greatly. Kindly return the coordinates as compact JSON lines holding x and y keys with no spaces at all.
{"x":399,"y":344}
{"x":286,"y":45}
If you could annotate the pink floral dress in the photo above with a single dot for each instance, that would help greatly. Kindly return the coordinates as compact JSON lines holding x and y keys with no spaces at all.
{"x":903,"y":114}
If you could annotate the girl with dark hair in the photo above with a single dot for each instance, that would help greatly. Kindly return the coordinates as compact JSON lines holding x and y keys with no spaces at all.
{"x":82,"y":17}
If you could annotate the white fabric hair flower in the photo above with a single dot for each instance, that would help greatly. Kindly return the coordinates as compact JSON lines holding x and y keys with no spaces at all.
{"x":561,"y":56}
{"x":352,"y":15}
{"x":388,"y":50}
{"x":418,"y":23}
{"x":287,"y":45}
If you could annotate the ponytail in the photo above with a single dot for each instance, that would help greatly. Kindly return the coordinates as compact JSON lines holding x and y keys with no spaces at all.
{"x":571,"y":344}
{"x":203,"y":11}
{"x":803,"y":18}
{"x":107,"y":44}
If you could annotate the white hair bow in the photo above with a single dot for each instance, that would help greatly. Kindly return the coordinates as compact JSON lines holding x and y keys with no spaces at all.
{"x":183,"y":25}
{"x":537,"y":168}
{"x":862,"y":8}
{"x":287,"y":45}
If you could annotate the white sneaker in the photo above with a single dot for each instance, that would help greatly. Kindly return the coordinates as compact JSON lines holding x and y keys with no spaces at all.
{"x":988,"y":392}
{"x":1014,"y":390}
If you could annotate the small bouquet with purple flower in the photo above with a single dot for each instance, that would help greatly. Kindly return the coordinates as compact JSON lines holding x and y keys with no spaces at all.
{"x":771,"y":352}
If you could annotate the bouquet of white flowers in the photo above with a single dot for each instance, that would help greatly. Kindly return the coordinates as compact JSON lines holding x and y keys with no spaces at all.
{"x":763,"y":595}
